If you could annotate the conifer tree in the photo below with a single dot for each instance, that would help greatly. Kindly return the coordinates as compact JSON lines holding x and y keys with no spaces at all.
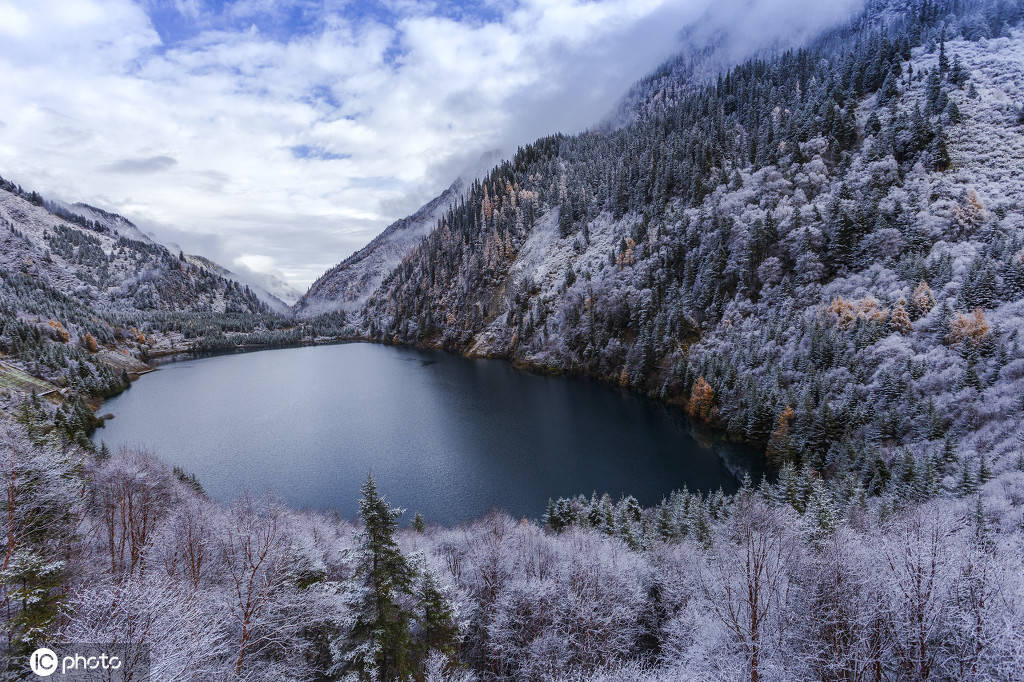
{"x":939,"y":150}
{"x":968,"y":483}
{"x":435,"y":623}
{"x":379,"y":647}
{"x":780,"y":447}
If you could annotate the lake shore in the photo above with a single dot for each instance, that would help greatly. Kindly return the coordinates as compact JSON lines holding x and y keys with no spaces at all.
{"x":454,"y":435}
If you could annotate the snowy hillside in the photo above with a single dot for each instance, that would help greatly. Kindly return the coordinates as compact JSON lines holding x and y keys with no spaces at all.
{"x":347,"y":285}
{"x":103,"y":268}
{"x":271,"y":284}
{"x":822,"y":252}
{"x":112,"y":221}
{"x":84,"y":296}
{"x":272,"y":301}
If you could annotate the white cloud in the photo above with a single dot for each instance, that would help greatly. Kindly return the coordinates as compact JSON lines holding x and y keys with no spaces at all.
{"x":256,"y":263}
{"x":290,"y":154}
{"x":14,"y":22}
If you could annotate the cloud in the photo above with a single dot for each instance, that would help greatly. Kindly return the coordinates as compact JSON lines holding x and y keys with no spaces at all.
{"x":295,"y":131}
{"x":152,"y":164}
{"x":14,"y":22}
{"x":255,"y":262}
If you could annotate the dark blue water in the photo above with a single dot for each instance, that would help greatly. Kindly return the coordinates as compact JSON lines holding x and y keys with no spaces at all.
{"x":443,"y":435}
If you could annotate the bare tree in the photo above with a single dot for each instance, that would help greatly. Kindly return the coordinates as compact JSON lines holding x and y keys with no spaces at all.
{"x":746,"y":581}
{"x":258,"y":565}
{"x":132,"y":492}
{"x":159,"y":631}
{"x":916,"y":553}
{"x":187,"y":542}
{"x":843,"y":624}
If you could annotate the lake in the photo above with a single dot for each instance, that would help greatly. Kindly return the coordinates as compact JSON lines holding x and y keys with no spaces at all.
{"x":444,"y":435}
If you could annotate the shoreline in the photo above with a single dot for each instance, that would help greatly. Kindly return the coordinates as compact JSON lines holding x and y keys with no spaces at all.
{"x":156,"y":359}
{"x":700,"y":429}
{"x":737,"y":459}
{"x":544,"y":369}
{"x":707,"y":429}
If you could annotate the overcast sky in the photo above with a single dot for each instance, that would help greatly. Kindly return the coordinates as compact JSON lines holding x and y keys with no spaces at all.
{"x":280,"y":136}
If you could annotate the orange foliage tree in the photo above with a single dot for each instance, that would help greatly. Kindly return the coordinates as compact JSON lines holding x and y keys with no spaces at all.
{"x":780,"y":448}
{"x":702,"y":400}
{"x":973,"y":327}
{"x":923,"y":298}
{"x":899,"y":318}
{"x":60,"y":331}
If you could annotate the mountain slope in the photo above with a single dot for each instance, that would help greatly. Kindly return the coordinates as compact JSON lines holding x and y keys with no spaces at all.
{"x":111,"y":221}
{"x":103,"y":268}
{"x":347,"y":285}
{"x":81,"y":298}
{"x":269,"y":299}
{"x":821,"y":252}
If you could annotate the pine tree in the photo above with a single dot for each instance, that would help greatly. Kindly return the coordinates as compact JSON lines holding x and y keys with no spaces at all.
{"x":873,"y":126}
{"x":943,"y":57}
{"x":780,"y":447}
{"x":984,"y":472}
{"x":877,"y":476}
{"x":417,"y":523}
{"x":968,"y":484}
{"x":958,"y":74}
{"x":821,"y":514}
{"x":788,"y":486}
{"x":435,"y":623}
{"x":939,"y":151}
{"x":42,"y":487}
{"x":379,"y":646}
{"x":665,"y":523}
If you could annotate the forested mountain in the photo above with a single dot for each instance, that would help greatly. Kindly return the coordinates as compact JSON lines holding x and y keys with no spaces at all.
{"x":819,"y":251}
{"x":105,"y":262}
{"x":263,"y":293}
{"x":347,"y":285}
{"x":85,"y":297}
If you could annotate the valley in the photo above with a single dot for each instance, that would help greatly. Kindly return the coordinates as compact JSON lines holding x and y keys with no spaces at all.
{"x":784,"y":293}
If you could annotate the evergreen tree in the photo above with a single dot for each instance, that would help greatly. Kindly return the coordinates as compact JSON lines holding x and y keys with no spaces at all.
{"x":379,"y":647}
{"x":939,"y":151}
{"x":968,"y":484}
{"x":984,"y":471}
{"x":822,"y":513}
{"x":943,"y":57}
{"x":42,"y":506}
{"x":435,"y":623}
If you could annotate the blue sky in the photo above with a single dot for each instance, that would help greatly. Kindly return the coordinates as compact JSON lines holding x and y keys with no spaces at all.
{"x":179,"y":21}
{"x":280,"y":136}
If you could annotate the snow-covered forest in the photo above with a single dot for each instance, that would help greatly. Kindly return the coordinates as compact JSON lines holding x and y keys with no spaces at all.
{"x":703,"y":587}
{"x":820,"y":252}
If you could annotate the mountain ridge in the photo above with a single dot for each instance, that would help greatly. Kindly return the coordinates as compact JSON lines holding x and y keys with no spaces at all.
{"x":863,"y":192}
{"x":347,"y":285}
